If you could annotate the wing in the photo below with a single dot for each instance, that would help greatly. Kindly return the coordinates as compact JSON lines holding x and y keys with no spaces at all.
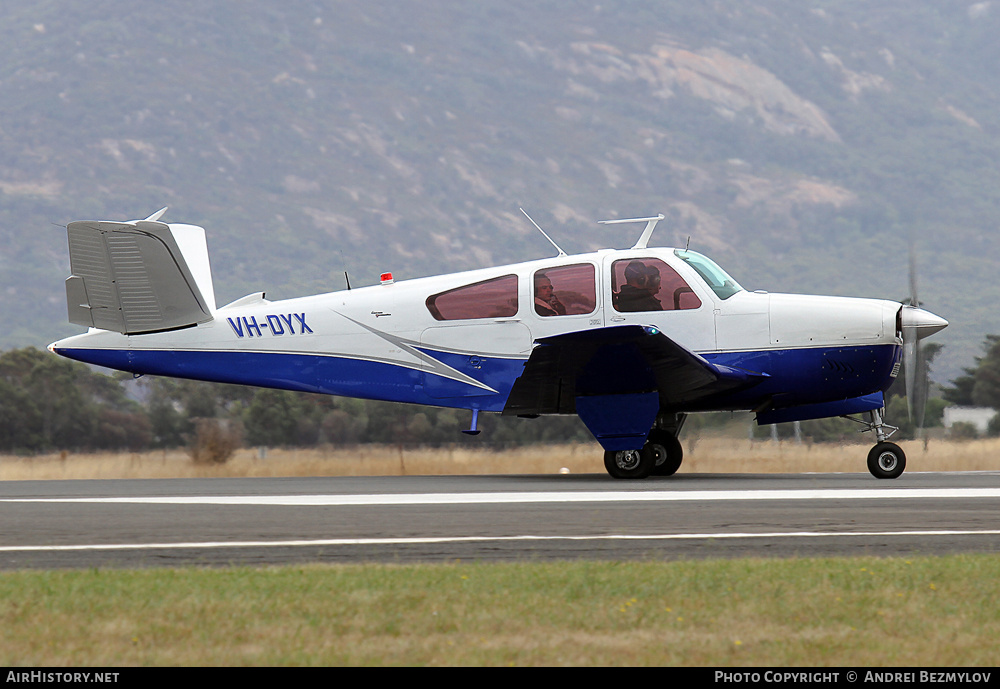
{"x":617,"y":379}
{"x":620,"y":360}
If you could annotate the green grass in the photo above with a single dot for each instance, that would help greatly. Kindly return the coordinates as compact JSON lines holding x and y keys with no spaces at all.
{"x":860,"y":612}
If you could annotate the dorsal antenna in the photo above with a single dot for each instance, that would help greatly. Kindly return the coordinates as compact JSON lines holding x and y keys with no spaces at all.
{"x":561,"y":252}
{"x":347,"y":279}
{"x":646,"y":233}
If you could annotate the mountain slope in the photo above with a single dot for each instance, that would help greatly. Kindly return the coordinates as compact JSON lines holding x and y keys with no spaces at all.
{"x":801,"y":145}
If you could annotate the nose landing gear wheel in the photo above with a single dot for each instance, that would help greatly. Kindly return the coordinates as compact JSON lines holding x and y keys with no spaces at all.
{"x":886,"y":460}
{"x":629,"y":463}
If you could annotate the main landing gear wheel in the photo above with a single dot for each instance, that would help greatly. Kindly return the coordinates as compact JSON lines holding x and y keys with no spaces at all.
{"x":629,"y":463}
{"x":667,"y":453}
{"x":886,"y":460}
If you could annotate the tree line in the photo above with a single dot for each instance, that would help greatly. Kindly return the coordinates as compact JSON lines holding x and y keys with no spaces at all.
{"x":49,"y":403}
{"x":979,"y":385}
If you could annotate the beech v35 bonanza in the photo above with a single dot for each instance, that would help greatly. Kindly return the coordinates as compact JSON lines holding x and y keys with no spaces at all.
{"x":631,"y":341}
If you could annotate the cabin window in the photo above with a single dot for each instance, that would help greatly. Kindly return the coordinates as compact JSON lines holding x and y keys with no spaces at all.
{"x":496,"y":298}
{"x":566,"y":290}
{"x":649,"y":284}
{"x":716,"y":278}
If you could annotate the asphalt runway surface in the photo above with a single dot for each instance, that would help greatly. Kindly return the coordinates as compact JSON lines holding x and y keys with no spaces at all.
{"x":265,"y":521}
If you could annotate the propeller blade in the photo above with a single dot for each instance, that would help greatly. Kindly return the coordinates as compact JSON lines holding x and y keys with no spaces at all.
{"x":917,"y":324}
{"x":911,"y":337}
{"x":920,"y":392}
{"x":910,"y":372}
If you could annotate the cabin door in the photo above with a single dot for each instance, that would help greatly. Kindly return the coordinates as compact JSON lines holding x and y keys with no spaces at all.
{"x":564,"y":299}
{"x":648,"y":291}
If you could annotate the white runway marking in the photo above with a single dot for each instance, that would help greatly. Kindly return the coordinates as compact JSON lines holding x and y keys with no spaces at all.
{"x":887,"y":493}
{"x":483,"y":539}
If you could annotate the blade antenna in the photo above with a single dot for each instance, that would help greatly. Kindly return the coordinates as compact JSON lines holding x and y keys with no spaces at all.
{"x":561,"y":252}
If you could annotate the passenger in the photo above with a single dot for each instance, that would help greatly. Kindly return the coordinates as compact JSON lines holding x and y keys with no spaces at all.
{"x":546,"y":302}
{"x":642,"y":282}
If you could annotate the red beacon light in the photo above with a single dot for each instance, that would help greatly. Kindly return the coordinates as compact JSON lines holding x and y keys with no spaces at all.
{"x":386,"y":278}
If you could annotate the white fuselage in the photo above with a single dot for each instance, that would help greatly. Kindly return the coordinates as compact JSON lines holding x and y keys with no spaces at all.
{"x":461,"y":361}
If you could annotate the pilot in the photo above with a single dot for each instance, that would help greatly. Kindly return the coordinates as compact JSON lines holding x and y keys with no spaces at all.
{"x":546,"y":302}
{"x":642,"y":282}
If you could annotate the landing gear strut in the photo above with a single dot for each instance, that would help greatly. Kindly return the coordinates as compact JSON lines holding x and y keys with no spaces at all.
{"x":885,"y":460}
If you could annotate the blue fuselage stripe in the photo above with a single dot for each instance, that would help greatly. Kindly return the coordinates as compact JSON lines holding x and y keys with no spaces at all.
{"x":332,"y":375}
{"x":810,"y":375}
{"x":794,"y":376}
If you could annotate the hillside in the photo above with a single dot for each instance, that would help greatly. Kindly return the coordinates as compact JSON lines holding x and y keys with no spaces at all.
{"x":801,"y":144}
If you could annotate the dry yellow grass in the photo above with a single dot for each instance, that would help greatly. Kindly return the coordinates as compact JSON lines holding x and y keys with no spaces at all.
{"x":702,"y":455}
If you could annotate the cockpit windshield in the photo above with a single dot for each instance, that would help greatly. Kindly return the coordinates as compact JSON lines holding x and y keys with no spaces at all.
{"x":720,"y":282}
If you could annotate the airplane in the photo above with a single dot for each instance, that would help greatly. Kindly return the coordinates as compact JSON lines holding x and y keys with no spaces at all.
{"x":632,"y":341}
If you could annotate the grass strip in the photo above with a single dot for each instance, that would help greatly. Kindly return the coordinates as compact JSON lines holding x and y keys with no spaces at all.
{"x":922,"y":611}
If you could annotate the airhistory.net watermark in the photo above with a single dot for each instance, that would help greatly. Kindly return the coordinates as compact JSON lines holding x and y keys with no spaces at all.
{"x":49,"y":676}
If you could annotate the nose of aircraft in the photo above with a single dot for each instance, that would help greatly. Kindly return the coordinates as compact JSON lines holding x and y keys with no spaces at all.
{"x":921,"y":322}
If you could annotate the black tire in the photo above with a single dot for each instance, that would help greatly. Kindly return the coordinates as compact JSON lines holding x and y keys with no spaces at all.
{"x":667,"y":453}
{"x":886,"y":460}
{"x":629,"y":463}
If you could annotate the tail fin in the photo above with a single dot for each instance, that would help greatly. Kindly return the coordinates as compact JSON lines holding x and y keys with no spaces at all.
{"x":138,"y":277}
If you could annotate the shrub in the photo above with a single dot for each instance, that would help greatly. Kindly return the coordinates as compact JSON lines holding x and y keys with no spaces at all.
{"x":214,"y":441}
{"x":963,"y":430}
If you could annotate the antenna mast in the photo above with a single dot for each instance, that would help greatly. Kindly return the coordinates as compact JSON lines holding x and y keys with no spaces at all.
{"x":561,"y":252}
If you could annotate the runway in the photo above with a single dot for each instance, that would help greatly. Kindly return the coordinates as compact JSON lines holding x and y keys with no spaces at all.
{"x":218,"y":522}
